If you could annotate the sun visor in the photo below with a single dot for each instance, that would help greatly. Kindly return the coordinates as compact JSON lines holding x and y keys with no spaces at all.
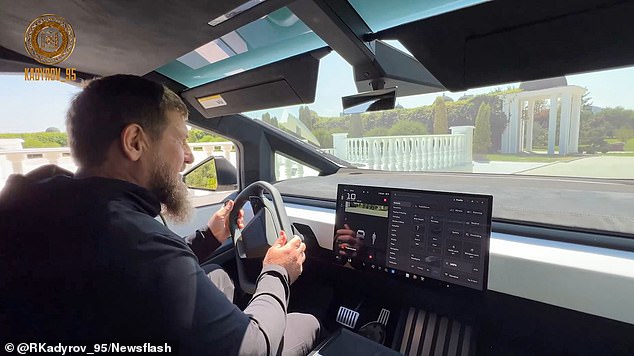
{"x":292,"y":81}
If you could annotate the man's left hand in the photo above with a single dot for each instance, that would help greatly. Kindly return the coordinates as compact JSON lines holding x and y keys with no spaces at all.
{"x":219,"y":222}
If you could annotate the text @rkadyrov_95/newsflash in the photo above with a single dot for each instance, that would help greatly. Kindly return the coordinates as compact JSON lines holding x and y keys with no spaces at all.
{"x":33,"y":348}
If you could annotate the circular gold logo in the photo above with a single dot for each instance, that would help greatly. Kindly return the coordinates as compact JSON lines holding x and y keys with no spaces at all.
{"x":49,"y":39}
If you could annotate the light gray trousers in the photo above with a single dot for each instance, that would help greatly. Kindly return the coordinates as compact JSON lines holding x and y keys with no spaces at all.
{"x":302,"y":330}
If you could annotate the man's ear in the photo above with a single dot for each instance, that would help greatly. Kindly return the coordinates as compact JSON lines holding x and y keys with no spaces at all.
{"x":134,"y":142}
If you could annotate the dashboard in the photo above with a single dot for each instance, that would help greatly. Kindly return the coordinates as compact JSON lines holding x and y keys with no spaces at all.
{"x":593,"y":280}
{"x":528,"y":263}
{"x":414,"y":234}
{"x":530,"y":272}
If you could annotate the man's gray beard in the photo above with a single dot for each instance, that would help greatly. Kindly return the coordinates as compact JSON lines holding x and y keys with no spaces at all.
{"x":172,"y":193}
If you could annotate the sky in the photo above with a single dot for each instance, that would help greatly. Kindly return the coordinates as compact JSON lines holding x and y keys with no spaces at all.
{"x":34,"y":106}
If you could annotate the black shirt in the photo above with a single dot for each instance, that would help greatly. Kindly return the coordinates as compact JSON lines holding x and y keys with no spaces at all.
{"x":85,"y":259}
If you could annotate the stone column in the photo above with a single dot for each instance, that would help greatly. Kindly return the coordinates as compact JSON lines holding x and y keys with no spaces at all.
{"x":340,"y":145}
{"x":52,"y":157}
{"x":209,"y":150}
{"x":552,"y":124}
{"x":521,"y":137}
{"x":226,"y":150}
{"x":529,"y":125}
{"x":564,"y":124}
{"x":514,"y":142}
{"x":467,"y":131}
{"x":16,"y":161}
{"x":288,"y":168}
{"x":575,"y":124}
{"x":505,"y":134}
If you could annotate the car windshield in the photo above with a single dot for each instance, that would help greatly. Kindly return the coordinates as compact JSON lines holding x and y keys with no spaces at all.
{"x":579,"y":125}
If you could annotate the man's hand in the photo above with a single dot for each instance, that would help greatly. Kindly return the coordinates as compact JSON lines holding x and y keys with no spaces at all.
{"x":288,"y":254}
{"x":347,"y":241}
{"x":219,"y":222}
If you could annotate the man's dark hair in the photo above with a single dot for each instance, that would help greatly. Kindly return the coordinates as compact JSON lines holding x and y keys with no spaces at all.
{"x":99,"y":113}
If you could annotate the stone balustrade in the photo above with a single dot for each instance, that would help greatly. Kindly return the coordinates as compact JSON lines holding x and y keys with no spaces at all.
{"x":408,"y":153}
{"x":24,"y":160}
{"x":286,"y":168}
{"x":394,"y":153}
{"x":213,"y":148}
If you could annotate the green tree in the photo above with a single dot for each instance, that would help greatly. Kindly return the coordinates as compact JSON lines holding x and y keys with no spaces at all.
{"x":274,"y":121}
{"x":441,"y":125}
{"x":624,"y":133}
{"x":33,"y":142}
{"x":266,"y":117}
{"x":376,"y":132}
{"x":405,"y":127}
{"x":356,"y":127}
{"x":482,"y":135}
{"x":324,"y":137}
{"x":306,"y":117}
{"x":40,"y":139}
{"x":195,"y":135}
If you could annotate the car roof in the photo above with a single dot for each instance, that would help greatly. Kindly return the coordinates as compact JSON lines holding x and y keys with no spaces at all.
{"x":477,"y":44}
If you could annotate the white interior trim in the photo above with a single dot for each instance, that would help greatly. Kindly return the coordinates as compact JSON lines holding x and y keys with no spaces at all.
{"x":593,"y":280}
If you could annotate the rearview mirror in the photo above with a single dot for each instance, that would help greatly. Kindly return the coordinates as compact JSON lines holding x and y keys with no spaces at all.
{"x":376,"y":100}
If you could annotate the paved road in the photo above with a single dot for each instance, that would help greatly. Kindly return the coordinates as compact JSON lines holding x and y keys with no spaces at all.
{"x":591,"y":167}
{"x":502,"y":167}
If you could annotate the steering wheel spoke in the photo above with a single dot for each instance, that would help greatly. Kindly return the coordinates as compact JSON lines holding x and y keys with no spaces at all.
{"x":261,"y":232}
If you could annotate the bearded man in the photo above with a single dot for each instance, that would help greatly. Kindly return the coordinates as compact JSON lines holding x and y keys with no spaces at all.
{"x":83,"y":257}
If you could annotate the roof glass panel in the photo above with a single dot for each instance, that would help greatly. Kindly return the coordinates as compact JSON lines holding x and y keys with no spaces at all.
{"x":380,"y":14}
{"x":271,"y":38}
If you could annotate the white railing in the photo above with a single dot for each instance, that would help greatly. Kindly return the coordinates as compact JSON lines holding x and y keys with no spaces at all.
{"x":214,"y":148}
{"x":394,"y":153}
{"x":408,"y":153}
{"x":25,"y":160}
{"x":286,"y":168}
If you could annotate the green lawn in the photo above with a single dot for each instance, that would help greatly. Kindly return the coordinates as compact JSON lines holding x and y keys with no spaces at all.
{"x":528,"y":158}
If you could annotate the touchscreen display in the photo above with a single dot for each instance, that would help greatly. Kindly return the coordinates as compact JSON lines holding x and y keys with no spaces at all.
{"x":415,"y":234}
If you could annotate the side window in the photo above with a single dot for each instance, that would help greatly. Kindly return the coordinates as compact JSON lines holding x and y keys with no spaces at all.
{"x":287,"y":168}
{"x":32,"y":136}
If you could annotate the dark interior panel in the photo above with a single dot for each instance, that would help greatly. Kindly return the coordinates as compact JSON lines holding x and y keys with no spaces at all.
{"x":508,"y":41}
{"x":141,"y":35}
{"x":499,"y":324}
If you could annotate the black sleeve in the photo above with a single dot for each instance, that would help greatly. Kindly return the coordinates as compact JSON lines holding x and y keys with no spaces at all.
{"x":203,"y":243}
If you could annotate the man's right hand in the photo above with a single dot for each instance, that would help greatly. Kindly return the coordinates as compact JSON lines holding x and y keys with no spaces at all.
{"x":288,"y":254}
{"x":347,"y":241}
